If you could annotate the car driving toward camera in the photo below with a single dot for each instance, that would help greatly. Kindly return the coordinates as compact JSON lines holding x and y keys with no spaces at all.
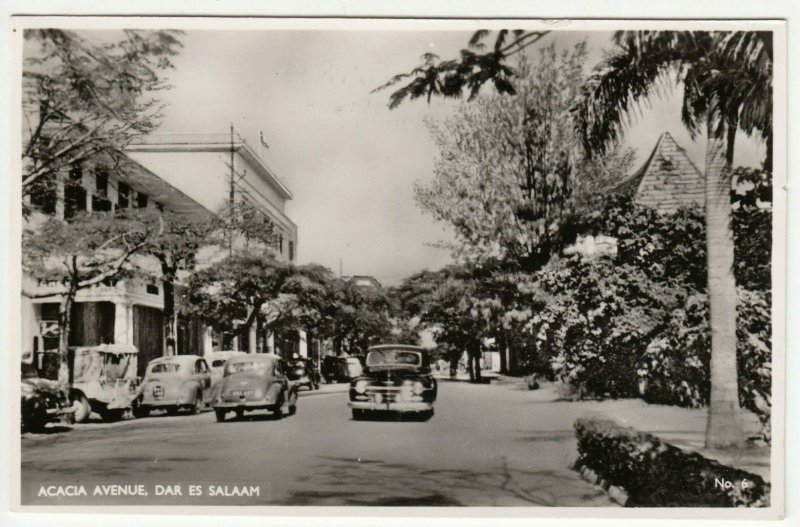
{"x":255,"y":382}
{"x":396,"y":378}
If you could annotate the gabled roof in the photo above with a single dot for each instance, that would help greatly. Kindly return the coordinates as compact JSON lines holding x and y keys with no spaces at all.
{"x":667,"y":180}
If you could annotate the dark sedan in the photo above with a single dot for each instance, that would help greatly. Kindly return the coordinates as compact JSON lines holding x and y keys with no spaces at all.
{"x":397,"y":378}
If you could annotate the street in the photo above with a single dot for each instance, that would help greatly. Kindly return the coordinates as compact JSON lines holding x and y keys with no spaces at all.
{"x":487,"y":445}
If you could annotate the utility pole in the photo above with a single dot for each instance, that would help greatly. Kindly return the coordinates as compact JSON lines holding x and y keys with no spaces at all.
{"x":232,"y":196}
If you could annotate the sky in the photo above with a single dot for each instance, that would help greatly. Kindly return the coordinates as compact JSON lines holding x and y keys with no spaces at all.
{"x":350,"y":162}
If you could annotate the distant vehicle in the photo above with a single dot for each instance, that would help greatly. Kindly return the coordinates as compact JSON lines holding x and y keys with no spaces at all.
{"x":255,"y":382}
{"x":303,"y":373}
{"x":177,"y":382}
{"x":341,"y":369}
{"x":397,"y":378}
{"x":43,"y":401}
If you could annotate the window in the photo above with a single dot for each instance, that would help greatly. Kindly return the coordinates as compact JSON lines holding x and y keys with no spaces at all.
{"x":43,"y":195}
{"x":74,"y":193}
{"x":141,"y":200}
{"x":291,"y":250}
{"x":152,"y":289}
{"x":123,"y":195}
{"x":100,"y":201}
{"x":200,"y":366}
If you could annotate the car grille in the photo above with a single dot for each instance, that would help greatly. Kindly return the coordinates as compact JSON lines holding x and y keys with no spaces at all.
{"x":383,"y":394}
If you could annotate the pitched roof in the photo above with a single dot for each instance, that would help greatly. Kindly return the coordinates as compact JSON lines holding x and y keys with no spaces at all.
{"x":667,"y":180}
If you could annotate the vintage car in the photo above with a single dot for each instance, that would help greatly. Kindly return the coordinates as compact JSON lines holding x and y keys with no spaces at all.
{"x":43,"y":401}
{"x":397,"y":378}
{"x":341,"y":369}
{"x":302,"y":372}
{"x":217,"y":360}
{"x":175,"y":383}
{"x":255,"y":382}
{"x":102,"y":378}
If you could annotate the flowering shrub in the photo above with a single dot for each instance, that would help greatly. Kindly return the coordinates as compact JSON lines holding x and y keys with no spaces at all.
{"x":636,"y":323}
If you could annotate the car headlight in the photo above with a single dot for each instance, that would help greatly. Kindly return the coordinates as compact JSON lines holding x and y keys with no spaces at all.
{"x":418,"y":388}
{"x":360,"y":387}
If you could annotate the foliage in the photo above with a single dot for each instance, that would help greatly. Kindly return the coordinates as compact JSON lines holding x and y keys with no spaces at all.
{"x":474,"y":68}
{"x":84,"y":101}
{"x":726,"y":76}
{"x":635,"y":323}
{"x":509,"y":178}
{"x":230,"y":293}
{"x":89,"y":250}
{"x":657,"y":474}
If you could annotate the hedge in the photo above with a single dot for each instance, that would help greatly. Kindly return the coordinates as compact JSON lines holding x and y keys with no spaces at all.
{"x":657,"y":474}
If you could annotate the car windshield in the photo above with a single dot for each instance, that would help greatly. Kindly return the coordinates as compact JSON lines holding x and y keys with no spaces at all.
{"x":240,"y":366}
{"x":393,"y":358}
{"x":218,"y":363}
{"x":165,"y":367}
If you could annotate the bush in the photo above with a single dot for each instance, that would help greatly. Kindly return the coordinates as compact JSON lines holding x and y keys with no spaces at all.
{"x":658,"y":474}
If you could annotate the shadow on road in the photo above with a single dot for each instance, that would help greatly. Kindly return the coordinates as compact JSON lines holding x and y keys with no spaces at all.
{"x":378,"y":483}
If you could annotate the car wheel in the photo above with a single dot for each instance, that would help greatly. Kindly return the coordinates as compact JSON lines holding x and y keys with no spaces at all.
{"x":82,"y":408}
{"x":141,"y":411}
{"x":172,"y":410}
{"x":239,"y":414}
{"x":359,"y":415}
{"x":198,"y":404}
{"x":35,"y":420}
{"x":426,"y":416}
{"x":220,"y":415}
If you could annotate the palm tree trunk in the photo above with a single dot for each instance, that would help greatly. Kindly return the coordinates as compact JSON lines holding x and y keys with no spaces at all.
{"x":723,"y":428}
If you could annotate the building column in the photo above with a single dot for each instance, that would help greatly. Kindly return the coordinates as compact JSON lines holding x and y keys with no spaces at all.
{"x":208,"y":341}
{"x":302,"y":348}
{"x":252,"y":337}
{"x":123,"y":323}
{"x":271,"y":342}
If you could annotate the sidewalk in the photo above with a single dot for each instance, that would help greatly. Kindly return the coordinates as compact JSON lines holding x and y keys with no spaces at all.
{"x":682,"y":427}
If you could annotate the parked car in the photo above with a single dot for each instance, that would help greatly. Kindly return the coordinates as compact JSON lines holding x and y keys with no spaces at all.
{"x":104,"y":378}
{"x":178,"y":382}
{"x":302,"y":372}
{"x":217,"y":360}
{"x":397,"y":378}
{"x":341,"y":369}
{"x":42,"y":401}
{"x":255,"y":382}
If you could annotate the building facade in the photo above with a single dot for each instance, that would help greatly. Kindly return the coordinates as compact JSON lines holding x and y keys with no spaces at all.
{"x":188,"y":175}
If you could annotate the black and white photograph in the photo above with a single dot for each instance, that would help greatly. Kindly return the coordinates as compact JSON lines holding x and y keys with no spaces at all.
{"x":372,"y":263}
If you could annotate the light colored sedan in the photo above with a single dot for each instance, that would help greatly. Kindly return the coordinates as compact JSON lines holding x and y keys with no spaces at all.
{"x":179,"y":382}
{"x":255,"y":382}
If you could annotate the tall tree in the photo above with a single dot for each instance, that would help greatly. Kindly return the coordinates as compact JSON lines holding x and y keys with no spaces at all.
{"x":90,"y":250}
{"x":85,"y":101}
{"x":510,"y":178}
{"x":727,"y":87}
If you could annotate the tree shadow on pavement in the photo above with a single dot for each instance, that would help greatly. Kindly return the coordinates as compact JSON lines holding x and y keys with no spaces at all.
{"x":377,"y":483}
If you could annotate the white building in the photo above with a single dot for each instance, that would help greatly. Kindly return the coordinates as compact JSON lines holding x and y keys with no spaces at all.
{"x":185,"y":174}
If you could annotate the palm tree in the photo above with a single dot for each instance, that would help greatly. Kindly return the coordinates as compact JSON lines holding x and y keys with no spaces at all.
{"x":727,"y":87}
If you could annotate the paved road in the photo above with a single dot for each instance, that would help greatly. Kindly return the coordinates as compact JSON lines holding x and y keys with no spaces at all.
{"x":487,"y":445}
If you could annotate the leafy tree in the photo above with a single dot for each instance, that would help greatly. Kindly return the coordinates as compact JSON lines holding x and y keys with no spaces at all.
{"x":474,"y":68}
{"x":510,"y":178}
{"x":176,"y":249}
{"x":727,"y":80}
{"x":443,"y":302}
{"x":90,"y":250}
{"x":84,"y":102}
{"x":231,"y":292}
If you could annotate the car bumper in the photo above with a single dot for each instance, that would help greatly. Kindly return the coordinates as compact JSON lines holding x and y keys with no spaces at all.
{"x":244,"y":405}
{"x":55,"y":413}
{"x":164,"y":403}
{"x":418,"y":406}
